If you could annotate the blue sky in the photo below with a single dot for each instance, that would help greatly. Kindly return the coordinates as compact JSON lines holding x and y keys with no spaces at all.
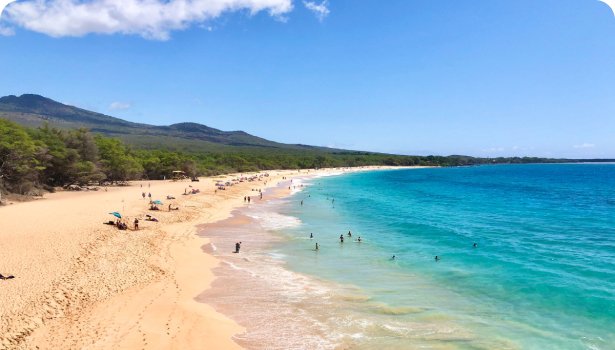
{"x":476,"y":77}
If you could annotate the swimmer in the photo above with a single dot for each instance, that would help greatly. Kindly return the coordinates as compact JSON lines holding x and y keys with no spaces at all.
{"x":359,"y":240}
{"x":475,"y":245}
{"x":437,"y":258}
{"x":393,"y":257}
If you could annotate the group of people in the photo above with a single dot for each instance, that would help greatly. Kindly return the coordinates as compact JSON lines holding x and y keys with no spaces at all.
{"x":349,"y":236}
{"x":317,"y":247}
{"x":121,"y":225}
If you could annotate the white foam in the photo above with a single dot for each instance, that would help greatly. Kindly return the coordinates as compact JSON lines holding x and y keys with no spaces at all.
{"x":333,"y":173}
{"x":296,"y":186}
{"x":270,"y":220}
{"x":277,"y":256}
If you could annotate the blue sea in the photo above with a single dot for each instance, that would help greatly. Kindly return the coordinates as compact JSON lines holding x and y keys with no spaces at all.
{"x":541,"y":276}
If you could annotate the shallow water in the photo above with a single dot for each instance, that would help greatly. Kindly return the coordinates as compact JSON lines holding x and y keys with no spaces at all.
{"x":542,"y":276}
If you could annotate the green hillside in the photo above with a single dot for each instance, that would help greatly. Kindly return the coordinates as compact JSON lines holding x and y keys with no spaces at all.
{"x":34,"y":110}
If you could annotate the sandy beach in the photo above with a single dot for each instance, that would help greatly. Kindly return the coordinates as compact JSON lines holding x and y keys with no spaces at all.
{"x":80,"y":284}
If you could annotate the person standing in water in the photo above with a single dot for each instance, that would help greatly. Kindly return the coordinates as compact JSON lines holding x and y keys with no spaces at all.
{"x":437,"y":258}
{"x":359,"y":240}
{"x":341,"y":238}
{"x":311,"y":235}
{"x":349,"y":234}
{"x":316,"y":246}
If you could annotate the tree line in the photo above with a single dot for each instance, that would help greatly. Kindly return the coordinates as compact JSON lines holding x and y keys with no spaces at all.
{"x":47,"y":157}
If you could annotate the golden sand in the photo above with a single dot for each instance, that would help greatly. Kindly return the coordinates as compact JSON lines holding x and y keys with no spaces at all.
{"x":84,"y":285}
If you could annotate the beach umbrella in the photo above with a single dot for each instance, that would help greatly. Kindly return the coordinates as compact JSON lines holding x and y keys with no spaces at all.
{"x":116,"y":214}
{"x":157,"y":202}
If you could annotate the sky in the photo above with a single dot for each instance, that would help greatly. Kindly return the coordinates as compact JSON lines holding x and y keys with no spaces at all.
{"x":477,"y":77}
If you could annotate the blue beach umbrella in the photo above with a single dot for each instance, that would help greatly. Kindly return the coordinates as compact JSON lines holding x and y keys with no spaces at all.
{"x":116,"y":214}
{"x":157,"y":202}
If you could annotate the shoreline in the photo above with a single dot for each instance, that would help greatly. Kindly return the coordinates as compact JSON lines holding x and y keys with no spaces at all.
{"x":83,"y":284}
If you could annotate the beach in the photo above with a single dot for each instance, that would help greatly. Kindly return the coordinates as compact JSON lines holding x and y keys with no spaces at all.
{"x":82,"y":284}
{"x":526,"y":261}
{"x":507,"y":277}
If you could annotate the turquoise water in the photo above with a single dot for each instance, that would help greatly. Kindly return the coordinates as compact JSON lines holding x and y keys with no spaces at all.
{"x":541,"y":277}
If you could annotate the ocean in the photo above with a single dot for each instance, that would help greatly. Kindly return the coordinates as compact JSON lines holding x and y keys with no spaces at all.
{"x":526,"y":260}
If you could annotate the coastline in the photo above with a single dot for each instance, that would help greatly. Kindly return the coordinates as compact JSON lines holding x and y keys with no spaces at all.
{"x":81,"y":284}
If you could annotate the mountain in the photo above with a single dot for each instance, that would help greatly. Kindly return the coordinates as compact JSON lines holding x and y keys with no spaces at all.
{"x":35,"y":110}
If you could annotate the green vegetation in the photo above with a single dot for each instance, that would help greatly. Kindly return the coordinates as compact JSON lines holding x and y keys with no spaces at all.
{"x":46,"y":157}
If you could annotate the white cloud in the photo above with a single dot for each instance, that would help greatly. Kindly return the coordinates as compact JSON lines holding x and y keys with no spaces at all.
{"x":6,"y":31}
{"x":611,"y":4}
{"x":320,"y":10}
{"x":151,"y":19}
{"x":3,"y":4}
{"x":584,"y":145}
{"x":119,"y":106}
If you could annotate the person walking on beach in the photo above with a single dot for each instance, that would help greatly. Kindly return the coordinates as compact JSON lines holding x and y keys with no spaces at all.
{"x":136,"y":222}
{"x":143,"y":194}
{"x":341,"y":238}
{"x":149,"y":195}
{"x":249,"y":199}
{"x":237,"y":247}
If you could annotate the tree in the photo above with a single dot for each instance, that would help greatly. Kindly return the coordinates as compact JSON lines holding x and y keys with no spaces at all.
{"x":18,"y":164}
{"x":117,"y":162}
